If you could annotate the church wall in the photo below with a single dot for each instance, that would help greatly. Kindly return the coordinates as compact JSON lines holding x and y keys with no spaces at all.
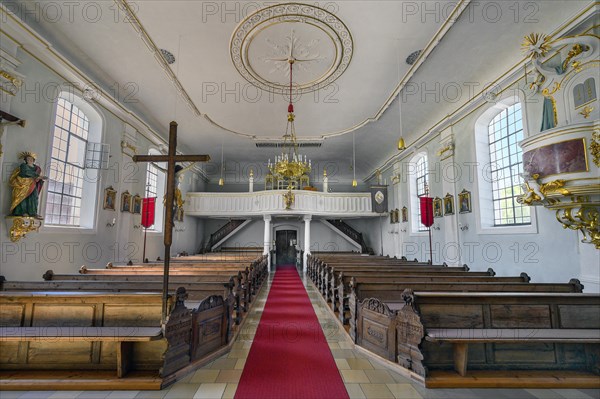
{"x":546,"y":251}
{"x":65,"y":249}
{"x":547,"y":255}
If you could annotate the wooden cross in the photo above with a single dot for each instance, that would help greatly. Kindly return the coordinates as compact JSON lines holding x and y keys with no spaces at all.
{"x":171,"y":158}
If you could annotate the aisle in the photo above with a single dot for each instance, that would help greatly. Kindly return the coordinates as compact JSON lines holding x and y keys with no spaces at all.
{"x":290,"y":357}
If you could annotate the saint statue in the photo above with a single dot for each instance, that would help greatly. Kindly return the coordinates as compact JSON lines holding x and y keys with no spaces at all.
{"x":27,"y":182}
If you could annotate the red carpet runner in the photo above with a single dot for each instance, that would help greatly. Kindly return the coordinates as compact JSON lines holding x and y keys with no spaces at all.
{"x":289,"y":357}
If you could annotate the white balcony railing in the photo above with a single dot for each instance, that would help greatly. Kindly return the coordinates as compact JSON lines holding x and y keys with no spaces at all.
{"x":271,"y":202}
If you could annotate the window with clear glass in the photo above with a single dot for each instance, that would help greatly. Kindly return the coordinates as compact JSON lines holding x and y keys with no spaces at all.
{"x":421,"y":181}
{"x":505,"y":131}
{"x":67,"y":161}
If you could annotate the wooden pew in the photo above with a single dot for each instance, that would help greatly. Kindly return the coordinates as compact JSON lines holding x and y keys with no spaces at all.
{"x":324,"y":277}
{"x":392,"y":296}
{"x":54,"y":337}
{"x":240,"y":287}
{"x":257,"y":271}
{"x":196,"y":291}
{"x":341,"y":282}
{"x":511,"y":333}
{"x":326,"y":282}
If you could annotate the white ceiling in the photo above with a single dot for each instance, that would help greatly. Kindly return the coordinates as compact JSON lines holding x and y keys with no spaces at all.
{"x":478,"y":48}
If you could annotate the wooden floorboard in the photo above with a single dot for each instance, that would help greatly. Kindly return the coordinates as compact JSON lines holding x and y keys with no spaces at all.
{"x":59,"y":380}
{"x":513,"y":379}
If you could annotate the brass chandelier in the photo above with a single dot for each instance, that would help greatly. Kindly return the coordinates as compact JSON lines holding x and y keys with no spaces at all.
{"x":290,"y":166}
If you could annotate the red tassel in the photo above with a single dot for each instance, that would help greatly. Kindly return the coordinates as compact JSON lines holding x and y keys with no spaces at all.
{"x":291,"y":108}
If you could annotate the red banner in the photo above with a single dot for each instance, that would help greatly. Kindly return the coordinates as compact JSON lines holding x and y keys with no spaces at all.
{"x":426,"y":211}
{"x":148,"y":205}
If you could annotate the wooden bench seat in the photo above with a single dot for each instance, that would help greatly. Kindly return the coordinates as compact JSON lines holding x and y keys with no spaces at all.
{"x":68,"y":333}
{"x":499,"y":331}
{"x":123,"y":336}
{"x":461,"y":338}
{"x":51,"y":334}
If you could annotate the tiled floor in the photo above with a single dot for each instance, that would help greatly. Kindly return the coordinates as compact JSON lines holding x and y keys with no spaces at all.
{"x":363,"y":375}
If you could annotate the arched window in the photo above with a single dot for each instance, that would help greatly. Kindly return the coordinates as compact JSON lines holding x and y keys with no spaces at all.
{"x":418,"y":185}
{"x":505,"y":131}
{"x":155,"y":186}
{"x":70,"y":184}
{"x":498,"y":131}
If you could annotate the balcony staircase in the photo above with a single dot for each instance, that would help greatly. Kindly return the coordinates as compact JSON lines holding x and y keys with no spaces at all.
{"x":349,"y":233}
{"x":224,"y":233}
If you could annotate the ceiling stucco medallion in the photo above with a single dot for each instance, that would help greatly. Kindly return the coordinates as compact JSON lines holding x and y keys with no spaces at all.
{"x":315,"y":40}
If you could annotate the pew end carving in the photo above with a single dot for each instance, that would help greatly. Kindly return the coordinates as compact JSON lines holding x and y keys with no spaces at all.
{"x":410,"y":332}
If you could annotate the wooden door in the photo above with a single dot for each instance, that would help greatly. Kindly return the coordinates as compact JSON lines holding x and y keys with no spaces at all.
{"x":285,"y":244}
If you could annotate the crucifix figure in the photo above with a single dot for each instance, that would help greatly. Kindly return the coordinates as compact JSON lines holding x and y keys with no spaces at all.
{"x":171,"y":158}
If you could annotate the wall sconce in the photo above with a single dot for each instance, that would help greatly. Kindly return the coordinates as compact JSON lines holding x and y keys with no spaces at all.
{"x":137,"y":226}
{"x":403,"y":230}
{"x":463,"y":227}
{"x":435,"y":226}
{"x":111,"y":224}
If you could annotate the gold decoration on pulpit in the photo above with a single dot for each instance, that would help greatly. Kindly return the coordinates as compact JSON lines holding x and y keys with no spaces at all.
{"x":530,"y":196}
{"x":586,"y":111}
{"x":20,"y":226}
{"x":555,"y":186}
{"x":595,"y":147}
{"x":583,"y":218}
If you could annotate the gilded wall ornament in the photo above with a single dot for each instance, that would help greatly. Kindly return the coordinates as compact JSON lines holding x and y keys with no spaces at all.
{"x":536,"y":45}
{"x":20,"y":226}
{"x":586,"y":111}
{"x":595,"y":147}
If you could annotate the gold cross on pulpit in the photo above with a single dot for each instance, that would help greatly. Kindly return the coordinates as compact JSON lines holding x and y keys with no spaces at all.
{"x":171,"y":158}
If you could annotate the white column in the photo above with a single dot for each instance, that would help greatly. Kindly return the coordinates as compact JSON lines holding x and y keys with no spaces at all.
{"x":251,"y":182}
{"x":267,"y":239}
{"x":325,"y":182}
{"x":307,"y":219}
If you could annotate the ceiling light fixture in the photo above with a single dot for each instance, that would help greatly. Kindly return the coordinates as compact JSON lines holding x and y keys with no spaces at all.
{"x":401,"y":144}
{"x":290,"y":168}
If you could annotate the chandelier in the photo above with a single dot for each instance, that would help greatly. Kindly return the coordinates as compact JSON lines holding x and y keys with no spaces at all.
{"x":290,"y":168}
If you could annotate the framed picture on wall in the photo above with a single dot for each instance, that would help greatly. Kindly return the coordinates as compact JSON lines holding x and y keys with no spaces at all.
{"x":437,"y":208}
{"x":137,"y":204}
{"x":464,"y":201}
{"x":126,"y":202}
{"x":448,"y":205}
{"x":404,"y":214}
{"x":110,"y":198}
